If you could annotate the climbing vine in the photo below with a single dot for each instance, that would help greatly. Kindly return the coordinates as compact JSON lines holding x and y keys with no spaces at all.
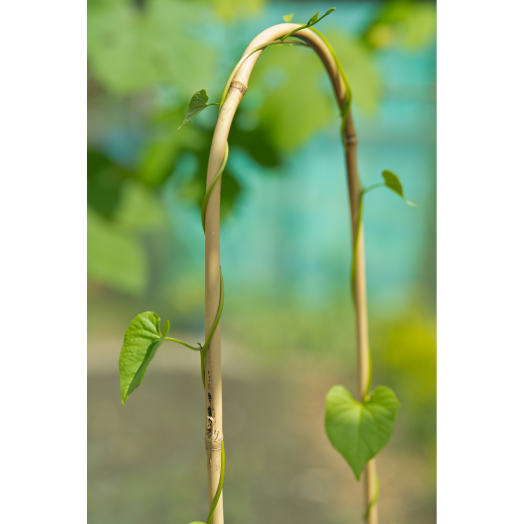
{"x":358,"y":430}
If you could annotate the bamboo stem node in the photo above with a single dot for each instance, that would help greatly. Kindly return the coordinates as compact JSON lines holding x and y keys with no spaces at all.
{"x":350,"y":140}
{"x":240,"y":86}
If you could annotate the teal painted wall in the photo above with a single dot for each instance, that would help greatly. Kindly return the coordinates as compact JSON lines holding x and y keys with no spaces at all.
{"x":290,"y":232}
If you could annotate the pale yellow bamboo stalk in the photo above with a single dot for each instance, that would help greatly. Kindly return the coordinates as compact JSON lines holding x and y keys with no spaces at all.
{"x":213,"y":379}
{"x":361,"y":309}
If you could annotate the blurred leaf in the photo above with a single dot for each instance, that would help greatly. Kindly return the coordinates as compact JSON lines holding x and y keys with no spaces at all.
{"x":380,"y":35}
{"x":420,"y":27}
{"x":115,"y":258}
{"x":288,"y":18}
{"x":358,"y":431}
{"x":230,"y":9}
{"x":256,"y":142}
{"x":406,"y":23}
{"x":104,"y":183}
{"x":359,"y":65}
{"x":291,"y":113}
{"x":141,"y":342}
{"x":160,"y":155}
{"x":132,"y":49}
{"x":409,"y":357}
{"x":393,"y":182}
{"x":197,"y":103}
{"x":140,"y":208}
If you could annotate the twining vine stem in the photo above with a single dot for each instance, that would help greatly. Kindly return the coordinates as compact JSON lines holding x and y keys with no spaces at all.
{"x":143,"y":336}
{"x":239,"y":77}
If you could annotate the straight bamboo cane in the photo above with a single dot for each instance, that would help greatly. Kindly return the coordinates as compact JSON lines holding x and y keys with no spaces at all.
{"x":213,"y":379}
{"x":361,"y":310}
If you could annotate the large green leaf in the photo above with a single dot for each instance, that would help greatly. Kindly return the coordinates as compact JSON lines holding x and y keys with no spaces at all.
{"x":132,"y":49}
{"x":294,"y":106}
{"x":392,"y":181}
{"x":115,"y":257}
{"x":141,"y":342}
{"x":360,"y":430}
{"x":165,"y":144}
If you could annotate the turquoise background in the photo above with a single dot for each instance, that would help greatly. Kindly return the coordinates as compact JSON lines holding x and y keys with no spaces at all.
{"x":290,"y":231}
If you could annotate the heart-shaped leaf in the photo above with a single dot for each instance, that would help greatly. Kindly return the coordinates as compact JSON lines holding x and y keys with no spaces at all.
{"x":392,"y":181}
{"x":288,"y":18}
{"x":360,"y":430}
{"x":141,"y":341}
{"x":197,"y":103}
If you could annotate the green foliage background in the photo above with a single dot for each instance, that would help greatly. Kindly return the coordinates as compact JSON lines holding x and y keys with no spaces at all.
{"x":146,"y":181}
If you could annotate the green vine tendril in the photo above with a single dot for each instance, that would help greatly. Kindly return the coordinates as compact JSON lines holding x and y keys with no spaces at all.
{"x":375,"y":498}
{"x":203,"y":349}
{"x":220,"y":484}
{"x":130,"y":376}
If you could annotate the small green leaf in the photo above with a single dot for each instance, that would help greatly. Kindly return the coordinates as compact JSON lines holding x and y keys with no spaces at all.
{"x":197,"y":103}
{"x":393,"y":182}
{"x":358,"y":431}
{"x":313,"y":19}
{"x":141,"y":341}
{"x":288,"y":18}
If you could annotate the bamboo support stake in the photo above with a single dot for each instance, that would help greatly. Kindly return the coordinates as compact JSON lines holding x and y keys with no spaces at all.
{"x":213,"y":378}
{"x":361,"y":310}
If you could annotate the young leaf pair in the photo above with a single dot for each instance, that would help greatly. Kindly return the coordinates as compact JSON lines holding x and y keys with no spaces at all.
{"x":311,"y":22}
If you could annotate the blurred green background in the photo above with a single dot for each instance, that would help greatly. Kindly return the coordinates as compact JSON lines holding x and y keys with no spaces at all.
{"x":288,"y":328}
